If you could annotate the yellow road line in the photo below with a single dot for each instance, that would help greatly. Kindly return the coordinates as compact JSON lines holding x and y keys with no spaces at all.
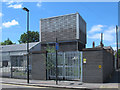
{"x":108,"y":86}
{"x":24,"y":85}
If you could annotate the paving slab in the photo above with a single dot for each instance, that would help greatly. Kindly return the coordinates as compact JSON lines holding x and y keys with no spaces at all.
{"x":61,"y":84}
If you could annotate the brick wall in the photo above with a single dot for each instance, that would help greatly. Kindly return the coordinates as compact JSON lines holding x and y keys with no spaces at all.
{"x":95,"y":57}
{"x":108,"y":65}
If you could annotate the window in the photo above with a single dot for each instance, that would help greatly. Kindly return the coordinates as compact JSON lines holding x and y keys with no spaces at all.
{"x":17,"y":61}
{"x":4,"y":63}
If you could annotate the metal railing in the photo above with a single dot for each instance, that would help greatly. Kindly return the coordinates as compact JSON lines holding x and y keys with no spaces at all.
{"x":15,"y":67}
{"x":69,"y":65}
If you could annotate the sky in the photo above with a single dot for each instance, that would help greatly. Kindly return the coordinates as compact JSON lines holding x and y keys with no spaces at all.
{"x":101,"y":17}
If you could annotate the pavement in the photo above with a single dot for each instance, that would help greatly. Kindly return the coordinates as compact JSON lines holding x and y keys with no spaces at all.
{"x":62,"y":84}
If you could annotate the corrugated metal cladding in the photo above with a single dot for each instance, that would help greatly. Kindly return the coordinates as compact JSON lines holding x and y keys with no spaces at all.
{"x":61,"y":27}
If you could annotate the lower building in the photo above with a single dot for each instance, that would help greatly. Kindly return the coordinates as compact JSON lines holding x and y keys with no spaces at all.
{"x":16,"y":52}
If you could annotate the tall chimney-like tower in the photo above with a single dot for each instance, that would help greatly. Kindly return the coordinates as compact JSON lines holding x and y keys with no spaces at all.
{"x":93,"y":44}
{"x":101,"y":43}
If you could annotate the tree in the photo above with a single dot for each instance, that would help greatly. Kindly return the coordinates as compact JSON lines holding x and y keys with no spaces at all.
{"x":7,"y":42}
{"x":33,"y":37}
{"x":50,"y":61}
{"x":50,"y":49}
{"x":118,"y":53}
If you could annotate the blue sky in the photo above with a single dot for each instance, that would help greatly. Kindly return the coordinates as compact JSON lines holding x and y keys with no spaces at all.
{"x":101,"y":17}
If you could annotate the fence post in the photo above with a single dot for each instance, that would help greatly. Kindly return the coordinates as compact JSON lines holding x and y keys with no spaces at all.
{"x":64,"y":65}
{"x":46,"y":67}
{"x":81,"y":65}
{"x":56,"y":62}
{"x":11,"y":67}
{"x":78,"y":64}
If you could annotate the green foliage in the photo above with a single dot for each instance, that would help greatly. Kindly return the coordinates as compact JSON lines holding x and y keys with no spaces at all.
{"x":33,"y":37}
{"x":118,"y":53}
{"x":50,"y":49}
{"x":7,"y":42}
{"x":50,"y":61}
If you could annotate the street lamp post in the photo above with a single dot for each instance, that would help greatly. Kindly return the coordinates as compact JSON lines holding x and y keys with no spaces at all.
{"x":117,"y":44}
{"x":27,"y":43}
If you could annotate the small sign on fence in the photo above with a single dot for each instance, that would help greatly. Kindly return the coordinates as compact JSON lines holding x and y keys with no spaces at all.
{"x":57,"y":46}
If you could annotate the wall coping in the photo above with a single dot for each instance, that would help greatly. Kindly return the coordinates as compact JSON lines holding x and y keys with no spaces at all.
{"x":92,"y":49}
{"x":38,"y":52}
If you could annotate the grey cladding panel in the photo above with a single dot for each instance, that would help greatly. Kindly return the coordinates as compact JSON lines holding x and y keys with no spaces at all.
{"x":62,"y":27}
{"x":82,"y":30}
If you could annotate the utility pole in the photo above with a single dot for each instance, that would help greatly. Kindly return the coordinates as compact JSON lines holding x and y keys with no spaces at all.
{"x":117,"y":45}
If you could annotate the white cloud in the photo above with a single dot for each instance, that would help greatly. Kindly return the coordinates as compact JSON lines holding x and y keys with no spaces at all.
{"x":1,"y":14}
{"x":0,"y":28}
{"x":96,"y":28}
{"x":118,"y":28}
{"x":39,"y":4}
{"x":114,"y":48}
{"x":108,"y":34}
{"x":9,"y":24}
{"x":95,"y":36}
{"x":108,"y":37}
{"x":110,"y":30}
{"x":116,"y":43}
{"x":10,"y":2}
{"x":16,"y":6}
{"x":15,"y":1}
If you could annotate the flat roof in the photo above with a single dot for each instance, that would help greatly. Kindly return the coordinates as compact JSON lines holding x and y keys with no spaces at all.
{"x":62,"y":16}
{"x":17,"y":47}
{"x":58,"y":16}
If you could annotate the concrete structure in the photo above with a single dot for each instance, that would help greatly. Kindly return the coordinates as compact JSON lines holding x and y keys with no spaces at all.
{"x":38,"y":65}
{"x":70,"y":31}
{"x":99,"y":65}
